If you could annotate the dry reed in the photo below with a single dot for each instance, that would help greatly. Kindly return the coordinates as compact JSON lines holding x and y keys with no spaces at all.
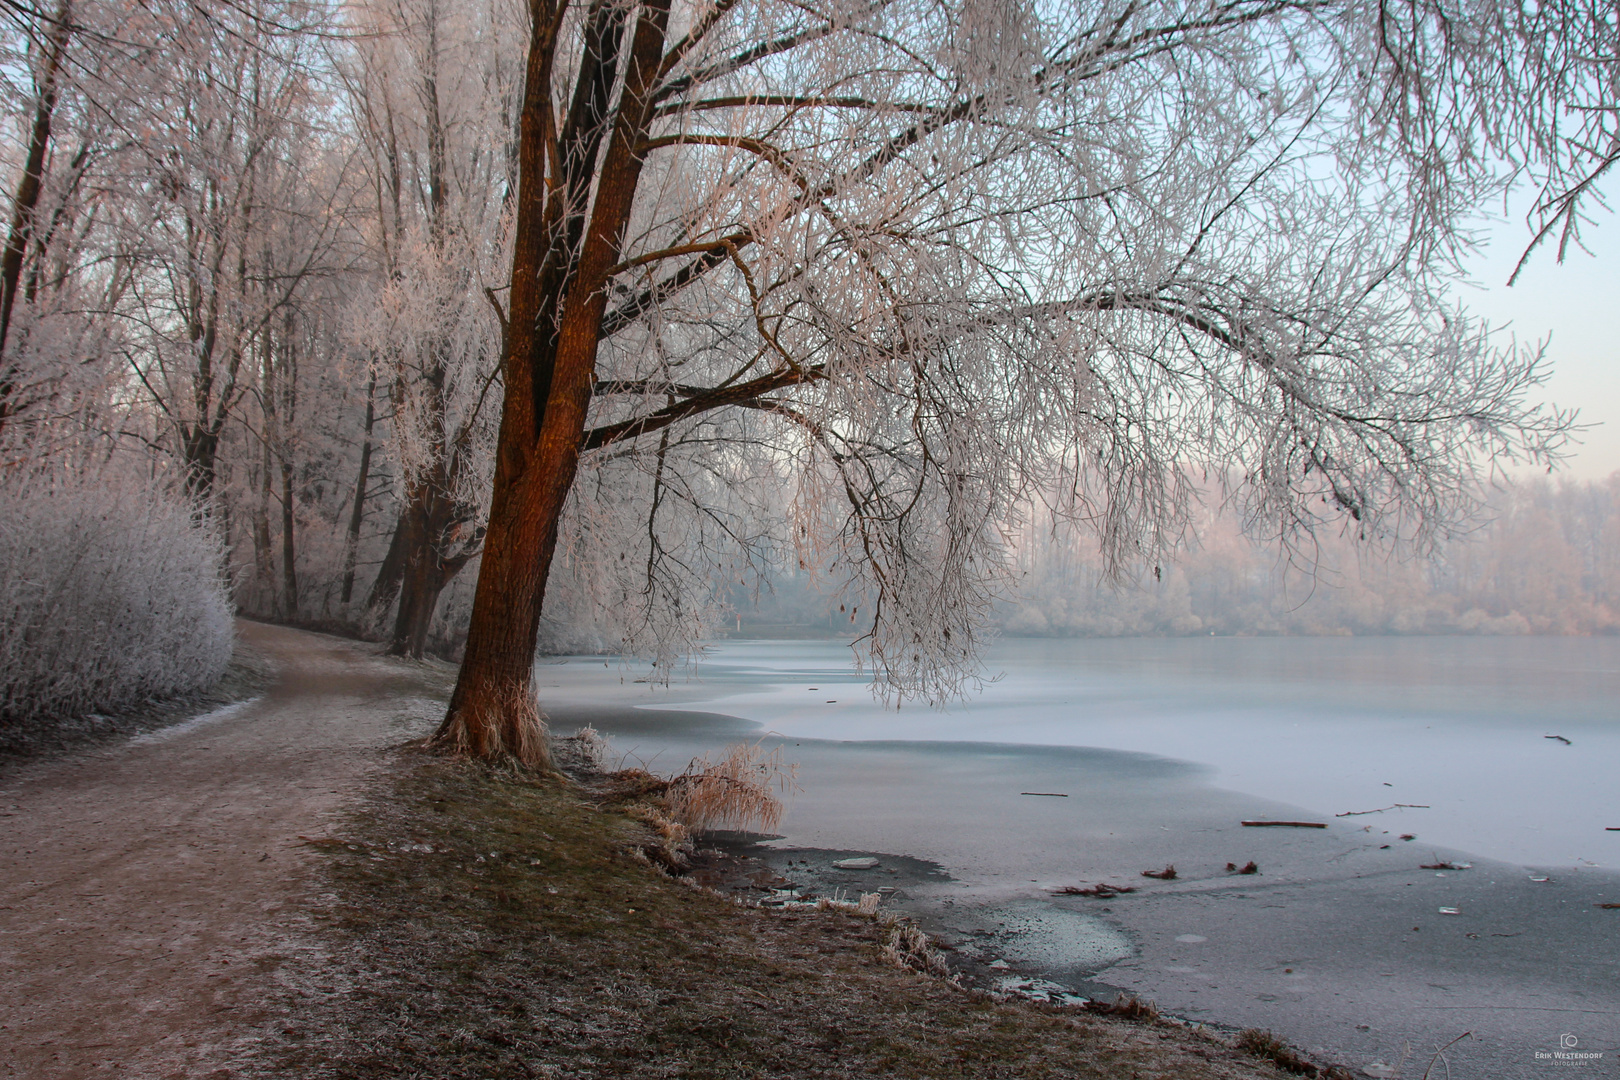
{"x":736,"y":790}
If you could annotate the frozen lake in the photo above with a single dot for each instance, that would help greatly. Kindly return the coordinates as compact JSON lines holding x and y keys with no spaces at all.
{"x":1344,"y":943}
{"x":1332,"y":725}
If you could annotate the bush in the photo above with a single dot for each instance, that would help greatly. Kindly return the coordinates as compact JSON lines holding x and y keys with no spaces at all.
{"x":110,"y":593}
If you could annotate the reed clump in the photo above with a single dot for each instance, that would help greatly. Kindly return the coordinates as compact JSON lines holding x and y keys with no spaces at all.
{"x":1263,"y":1044}
{"x":741,"y":789}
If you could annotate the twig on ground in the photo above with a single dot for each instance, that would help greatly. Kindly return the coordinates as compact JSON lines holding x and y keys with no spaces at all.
{"x":1440,"y":1055}
{"x":1381,"y":809}
{"x":1289,"y":824}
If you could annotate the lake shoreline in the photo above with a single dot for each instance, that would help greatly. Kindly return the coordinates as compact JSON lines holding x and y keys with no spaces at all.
{"x":1342,"y":943}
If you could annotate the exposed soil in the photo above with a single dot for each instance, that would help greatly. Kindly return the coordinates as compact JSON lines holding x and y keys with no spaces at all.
{"x":151,"y":892}
{"x":278,"y":889}
{"x":494,"y":926}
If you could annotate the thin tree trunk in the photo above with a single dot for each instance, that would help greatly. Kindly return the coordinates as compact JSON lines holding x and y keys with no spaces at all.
{"x":358,"y":515}
{"x":289,"y":564}
{"x":263,"y":578}
{"x":263,"y":552}
{"x":287,"y":386}
{"x":230,"y":548}
{"x":27,"y":197}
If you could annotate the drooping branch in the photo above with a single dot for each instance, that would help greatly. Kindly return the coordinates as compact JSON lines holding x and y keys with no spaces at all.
{"x":707,"y":401}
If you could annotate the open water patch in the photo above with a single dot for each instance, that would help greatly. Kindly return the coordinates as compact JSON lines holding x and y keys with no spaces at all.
{"x":1033,"y":937}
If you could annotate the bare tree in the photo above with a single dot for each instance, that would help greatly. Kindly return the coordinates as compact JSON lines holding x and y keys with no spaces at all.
{"x":925,"y":255}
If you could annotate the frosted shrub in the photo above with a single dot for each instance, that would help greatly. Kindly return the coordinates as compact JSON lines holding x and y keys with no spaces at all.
{"x":110,"y":593}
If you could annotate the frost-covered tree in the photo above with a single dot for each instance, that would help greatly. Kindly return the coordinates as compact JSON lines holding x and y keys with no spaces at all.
{"x":927,"y":258}
{"x":847,"y":284}
{"x":225,"y":227}
{"x":433,"y":87}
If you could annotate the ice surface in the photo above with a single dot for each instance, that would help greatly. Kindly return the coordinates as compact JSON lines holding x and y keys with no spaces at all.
{"x":1331,"y":724}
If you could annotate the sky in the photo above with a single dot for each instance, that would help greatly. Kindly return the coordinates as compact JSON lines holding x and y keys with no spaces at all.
{"x":1575,"y":307}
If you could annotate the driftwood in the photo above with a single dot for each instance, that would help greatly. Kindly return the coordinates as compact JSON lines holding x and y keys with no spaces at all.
{"x":1167,"y":874}
{"x":1289,"y":824}
{"x":1560,"y":738}
{"x":1100,"y":891}
{"x":1048,"y":794}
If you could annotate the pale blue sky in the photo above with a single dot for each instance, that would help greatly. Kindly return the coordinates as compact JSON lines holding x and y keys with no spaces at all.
{"x":1577,"y":305}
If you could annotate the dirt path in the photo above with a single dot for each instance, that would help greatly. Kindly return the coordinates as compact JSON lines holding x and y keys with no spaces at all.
{"x":149,"y":893}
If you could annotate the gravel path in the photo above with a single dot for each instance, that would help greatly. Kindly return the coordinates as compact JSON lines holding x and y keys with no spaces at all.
{"x":151,"y":893}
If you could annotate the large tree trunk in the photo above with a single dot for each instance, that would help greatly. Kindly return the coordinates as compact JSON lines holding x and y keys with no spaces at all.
{"x":392,"y":571}
{"x":429,"y":525}
{"x":423,"y":522}
{"x":493,"y":714}
{"x":425,"y":580}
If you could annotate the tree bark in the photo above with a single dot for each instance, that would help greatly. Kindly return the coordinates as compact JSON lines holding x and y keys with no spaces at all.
{"x":27,"y":197}
{"x":424,"y":581}
{"x":421,"y":560}
{"x":427,"y":521}
{"x":357,"y":515}
{"x":289,"y":562}
{"x":287,"y":418}
{"x":548,"y":375}
{"x":263,"y":577}
{"x":392,"y":571}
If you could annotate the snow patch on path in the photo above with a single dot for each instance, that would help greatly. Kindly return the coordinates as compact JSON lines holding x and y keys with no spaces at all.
{"x":224,"y":712}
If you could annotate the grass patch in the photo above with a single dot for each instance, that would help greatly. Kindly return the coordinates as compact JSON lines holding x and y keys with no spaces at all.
{"x":490,"y":925}
{"x":1263,"y":1044}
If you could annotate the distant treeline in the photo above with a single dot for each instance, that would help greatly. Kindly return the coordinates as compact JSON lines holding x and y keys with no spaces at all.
{"x":1543,"y":559}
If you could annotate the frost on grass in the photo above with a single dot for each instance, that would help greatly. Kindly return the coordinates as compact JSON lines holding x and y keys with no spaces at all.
{"x":110,"y":594}
{"x":585,"y":753}
{"x":909,"y":947}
